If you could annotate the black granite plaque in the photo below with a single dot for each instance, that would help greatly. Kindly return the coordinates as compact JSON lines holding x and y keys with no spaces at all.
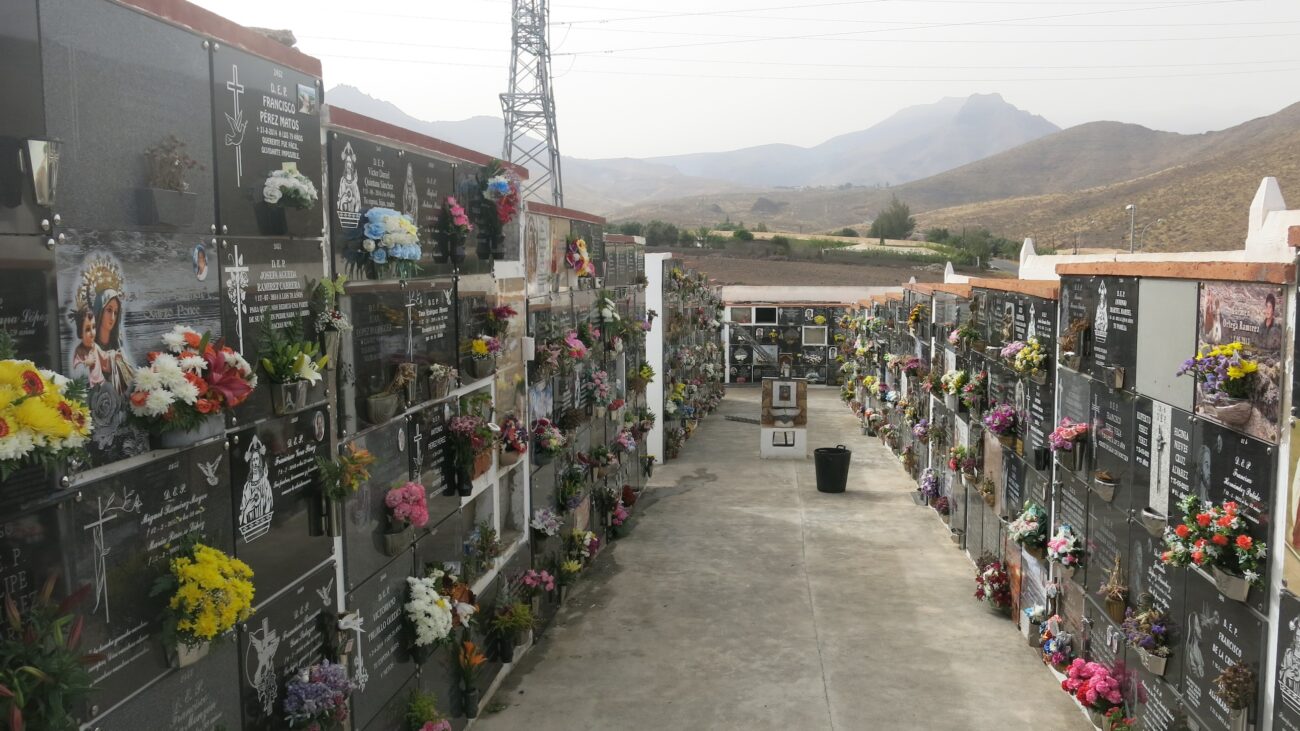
{"x":433,"y":330}
{"x":366,"y":518}
{"x":1218,"y":633}
{"x":32,"y":550}
{"x":991,"y":533}
{"x":1075,"y":398}
{"x":127,"y":529}
{"x":1286,"y":699}
{"x":789,"y":316}
{"x":392,"y":715}
{"x":28,"y":298}
{"x":1160,"y":707}
{"x":381,"y":665}
{"x":444,"y":543}
{"x":1079,"y":308}
{"x":1037,"y":486}
{"x":119,"y":293}
{"x":1182,"y":461}
{"x":1013,"y":475}
{"x":285,"y":636}
{"x":429,"y":449}
{"x":23,"y":89}
{"x":478,"y":251}
{"x":379,"y":341}
{"x":1039,"y":419}
{"x":1114,"y":330}
{"x":1167,"y":585}
{"x":1073,"y":509}
{"x":274,"y":480}
{"x":202,"y":697}
{"x":1105,"y":539}
{"x":118,"y":83}
{"x":1113,"y":417}
{"x":267,"y":118}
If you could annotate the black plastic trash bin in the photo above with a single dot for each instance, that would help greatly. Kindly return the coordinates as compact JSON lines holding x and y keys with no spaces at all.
{"x":832,"y":464}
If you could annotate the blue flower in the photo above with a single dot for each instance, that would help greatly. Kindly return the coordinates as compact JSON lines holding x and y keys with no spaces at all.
{"x":374,"y":230}
{"x":500,"y":187}
{"x":379,"y":256}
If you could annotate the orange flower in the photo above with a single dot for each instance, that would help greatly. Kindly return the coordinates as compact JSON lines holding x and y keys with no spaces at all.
{"x":1225,"y":521}
{"x":1183,"y":531}
{"x":1198,"y":557}
{"x":1203,"y":520}
{"x":193,"y":339}
{"x":1244,"y":542}
{"x":470,"y":657}
{"x":139,"y":397}
{"x":1165,"y":556}
{"x":1220,"y":540}
{"x":32,"y":383}
{"x":1230,"y":508}
{"x":205,"y":406}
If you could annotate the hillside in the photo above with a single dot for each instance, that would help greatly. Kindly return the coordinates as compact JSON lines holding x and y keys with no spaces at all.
{"x":1074,"y":181}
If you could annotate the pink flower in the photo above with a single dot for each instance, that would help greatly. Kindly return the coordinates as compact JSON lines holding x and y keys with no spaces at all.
{"x":408,"y":504}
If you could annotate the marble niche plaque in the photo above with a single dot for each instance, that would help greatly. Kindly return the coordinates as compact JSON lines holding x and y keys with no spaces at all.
{"x":283,"y":637}
{"x":202,"y":697}
{"x":1112,"y":434}
{"x":274,"y":480}
{"x":379,"y":341}
{"x":366,"y":516}
{"x":380,"y":663}
{"x":119,"y":293}
{"x":1073,"y":510}
{"x":1167,"y":586}
{"x":1114,"y":330}
{"x":1079,"y":305}
{"x":1106,"y":539}
{"x":433,"y":330}
{"x":1159,"y":705}
{"x":127,"y":528}
{"x":267,"y":118}
{"x":428,"y":450}
{"x":1217,"y":633}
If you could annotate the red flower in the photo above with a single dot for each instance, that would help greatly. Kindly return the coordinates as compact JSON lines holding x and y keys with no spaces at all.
{"x":1244,"y":542}
{"x":1200,"y":543}
{"x":1165,"y":556}
{"x":206,"y":406}
{"x":1198,"y":557}
{"x":1230,"y":508}
{"x":32,"y":383}
{"x":1203,"y":520}
{"x":1183,"y":531}
{"x":1220,"y":540}
{"x":139,"y":397}
{"x":4,"y":428}
{"x":225,"y":380}
{"x":1225,"y":521}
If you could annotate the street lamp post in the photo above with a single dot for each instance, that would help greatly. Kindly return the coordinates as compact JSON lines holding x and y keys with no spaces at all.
{"x":1132,"y":222}
{"x":1143,"y":233}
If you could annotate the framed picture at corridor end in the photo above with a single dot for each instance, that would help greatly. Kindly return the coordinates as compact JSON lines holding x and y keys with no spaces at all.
{"x":1254,"y":316}
{"x":266,"y":119}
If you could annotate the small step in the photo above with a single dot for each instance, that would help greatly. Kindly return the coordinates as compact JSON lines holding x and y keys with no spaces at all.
{"x":743,"y":419}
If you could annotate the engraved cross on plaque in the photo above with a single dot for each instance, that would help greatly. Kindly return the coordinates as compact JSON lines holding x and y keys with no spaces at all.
{"x":236,"y":290}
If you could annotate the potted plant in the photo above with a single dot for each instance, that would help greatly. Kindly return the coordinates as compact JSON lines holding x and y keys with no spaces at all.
{"x":1235,"y":686}
{"x":993,"y":584}
{"x":1225,"y":375}
{"x":1074,"y":343}
{"x":440,"y":380}
{"x":1104,"y":483}
{"x":1067,"y":441}
{"x":1029,"y":529}
{"x":429,"y":612}
{"x":1217,"y":537}
{"x":316,"y":697}
{"x":514,"y":441}
{"x":340,"y":478}
{"x":58,"y":424}
{"x":422,"y":713}
{"x":483,"y":355}
{"x":182,"y":394}
{"x":331,"y":323}
{"x":1065,"y":550}
{"x":207,"y":593}
{"x":468,"y":662}
{"x":548,"y":441}
{"x":283,"y":189}
{"x":166,"y":200}
{"x":450,"y":232}
{"x":511,"y":626}
{"x":44,"y":679}
{"x":1115,"y":592}
{"x":291,"y":364}
{"x":408,"y":509}
{"x":389,"y":245}
{"x":1095,"y":687}
{"x":1147,"y":630}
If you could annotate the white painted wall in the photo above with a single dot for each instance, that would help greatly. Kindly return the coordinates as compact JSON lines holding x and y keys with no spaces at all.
{"x":654,"y":351}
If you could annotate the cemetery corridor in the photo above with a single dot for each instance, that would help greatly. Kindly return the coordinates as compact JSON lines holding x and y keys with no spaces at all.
{"x":745,"y":599}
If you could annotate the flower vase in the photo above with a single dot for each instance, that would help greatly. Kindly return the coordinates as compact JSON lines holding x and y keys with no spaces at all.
{"x":210,"y":426}
{"x":287,"y":398}
{"x":1238,"y":719}
{"x":464,"y":482}
{"x":599,"y":411}
{"x":1071,"y":360}
{"x":1116,"y":610}
{"x":1105,"y":489}
{"x":1038,"y":552}
{"x":1033,"y":633}
{"x":524,"y":639}
{"x":1042,"y":458}
{"x":1234,"y":412}
{"x":470,"y":700}
{"x":482,"y":367}
{"x":1072,"y":459}
{"x":381,"y":407}
{"x":648,"y":467}
{"x":333,"y":518}
{"x":951,"y":401}
{"x":918,"y":498}
{"x":186,"y":655}
{"x":1096,"y":717}
{"x":1115,"y":377}
{"x":330,"y":340}
{"x":482,"y":463}
{"x":1153,"y":663}
{"x":438,"y":388}
{"x":967,"y":479}
{"x":505,"y":647}
{"x":1067,"y":572}
{"x":1039,"y":377}
{"x":396,"y":543}
{"x":541,"y":458}
{"x":508,"y":457}
{"x":1153,"y":522}
{"x":1231,"y":585}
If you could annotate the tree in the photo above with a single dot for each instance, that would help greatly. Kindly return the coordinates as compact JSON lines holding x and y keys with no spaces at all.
{"x":686,"y":237}
{"x":895,"y":222}
{"x":846,"y":232}
{"x":761,"y":227}
{"x":659,"y":233}
{"x":937,"y":235}
{"x":742,"y":234}
{"x":631,"y":228}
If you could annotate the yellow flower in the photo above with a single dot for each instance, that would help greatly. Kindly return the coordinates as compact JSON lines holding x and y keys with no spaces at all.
{"x":478,"y":347}
{"x":571,"y":567}
{"x":40,"y":418}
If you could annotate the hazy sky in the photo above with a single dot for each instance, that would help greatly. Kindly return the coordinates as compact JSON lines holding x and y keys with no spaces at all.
{"x":635,"y":78}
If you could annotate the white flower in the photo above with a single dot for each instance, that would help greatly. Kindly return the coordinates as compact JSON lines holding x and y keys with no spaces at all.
{"x":1250,"y":576}
{"x":193,"y":363}
{"x":368,"y":246}
{"x":146,"y":379}
{"x":186,"y":392}
{"x":158,"y":402}
{"x":271,"y":193}
{"x":429,"y":612}
{"x":175,"y":340}
{"x":304,"y":369}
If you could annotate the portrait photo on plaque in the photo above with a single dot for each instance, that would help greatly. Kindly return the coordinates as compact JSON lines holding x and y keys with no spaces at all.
{"x":1242,"y":333}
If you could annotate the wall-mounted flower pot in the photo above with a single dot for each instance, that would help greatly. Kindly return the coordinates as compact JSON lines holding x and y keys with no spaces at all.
{"x":1071,"y":460}
{"x":1230,"y":585}
{"x":1067,"y":572}
{"x":161,"y":207}
{"x":992,"y":351}
{"x":1104,"y":489}
{"x":1238,"y":719}
{"x":332,"y":515}
{"x":184,"y":655}
{"x":464,"y":482}
{"x":470,"y":701}
{"x":482,"y":462}
{"x":1154,"y":663}
{"x":968,"y":479}
{"x":210,"y":426}
{"x":1042,"y":458}
{"x":918,"y":498}
{"x":1039,"y":376}
{"x":482,"y":367}
{"x":287,"y":398}
{"x":1116,"y":610}
{"x":508,"y":457}
{"x":439,"y":388}
{"x":599,"y":411}
{"x":271,"y":219}
{"x":1234,"y":412}
{"x":1034,"y":633}
{"x":1038,"y":552}
{"x":396,"y":543}
{"x":958,"y":537}
{"x":330,"y":340}
{"x":1115,"y":377}
{"x":542,"y":458}
{"x":951,"y":401}
{"x":381,"y":407}
{"x":1071,"y":360}
{"x":1154,"y":522}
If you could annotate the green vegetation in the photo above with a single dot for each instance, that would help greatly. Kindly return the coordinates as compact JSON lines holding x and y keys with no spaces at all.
{"x":742,"y":235}
{"x":851,"y":233}
{"x":976,"y":244}
{"x":895,"y":222}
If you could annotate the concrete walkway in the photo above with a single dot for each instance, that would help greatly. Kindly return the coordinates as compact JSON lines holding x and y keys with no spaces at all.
{"x":745,"y":599}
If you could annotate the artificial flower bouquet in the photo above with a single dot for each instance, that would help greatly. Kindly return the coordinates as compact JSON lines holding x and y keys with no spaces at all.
{"x":422,"y":713}
{"x":430,"y":613}
{"x":1148,"y":629}
{"x":597,"y":390}
{"x":390,"y":238}
{"x":1065,"y":547}
{"x":286,"y":357}
{"x":952,"y":382}
{"x":471,"y":436}
{"x":576,"y":348}
{"x":992,"y":583}
{"x":408,"y":506}
{"x":192,"y":379}
{"x":916,"y":316}
{"x":1067,"y":435}
{"x":497,"y":322}
{"x":343,"y":476}
{"x":921,"y":430}
{"x":962,"y":459}
{"x":625,"y":441}
{"x":329,"y":318}
{"x":1025,"y":358}
{"x":208,"y":594}
{"x":1000,"y":420}
{"x":973,"y":391}
{"x":502,"y":188}
{"x":484,"y":347}
{"x":1215,"y":536}
{"x":1222,"y":371}
{"x":514,"y":439}
{"x":548,"y":440}
{"x":316,"y":697}
{"x":451,"y":230}
{"x":578,"y":259}
{"x":1029,"y":529}
{"x":546,"y":522}
{"x":44,"y":418}
{"x":537,"y":582}
{"x":289,"y":189}
{"x":582,"y":546}
{"x":929,"y":485}
{"x":1236,"y":686}
{"x":963,"y":335}
{"x":1093,"y":685}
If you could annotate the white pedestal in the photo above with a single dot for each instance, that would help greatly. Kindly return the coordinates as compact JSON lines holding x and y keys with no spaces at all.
{"x":783,"y":443}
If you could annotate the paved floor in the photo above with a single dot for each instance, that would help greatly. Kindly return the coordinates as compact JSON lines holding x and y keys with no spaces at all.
{"x":745,"y":599}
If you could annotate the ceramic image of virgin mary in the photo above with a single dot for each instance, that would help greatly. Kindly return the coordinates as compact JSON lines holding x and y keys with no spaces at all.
{"x":348,"y":205}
